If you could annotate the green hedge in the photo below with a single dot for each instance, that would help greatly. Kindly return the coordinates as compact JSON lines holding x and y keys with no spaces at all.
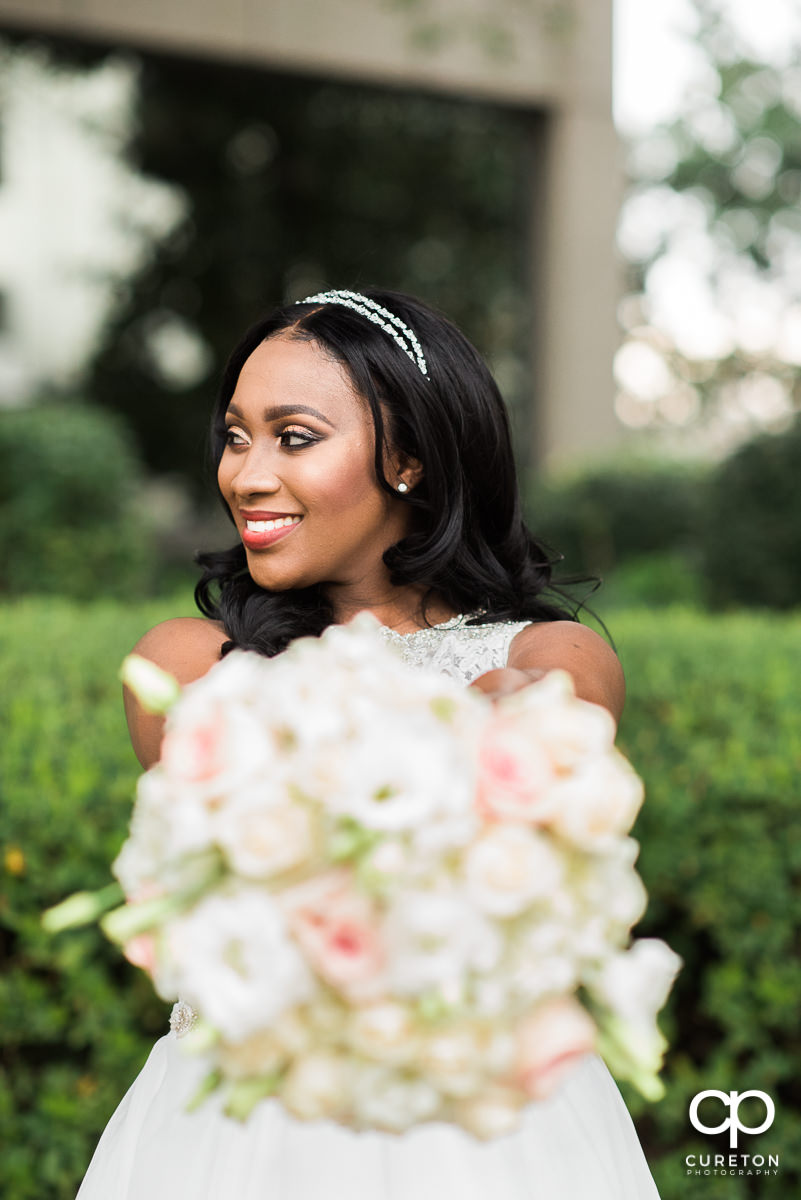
{"x":661,"y":532}
{"x":76,"y":1021}
{"x":634,"y":522}
{"x":69,"y":524}
{"x":751,"y":533}
{"x":712,"y":723}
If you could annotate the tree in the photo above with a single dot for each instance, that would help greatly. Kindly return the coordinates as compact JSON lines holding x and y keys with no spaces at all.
{"x":714,"y":213}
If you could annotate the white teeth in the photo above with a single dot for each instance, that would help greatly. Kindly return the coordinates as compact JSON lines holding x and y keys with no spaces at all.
{"x":266,"y":526}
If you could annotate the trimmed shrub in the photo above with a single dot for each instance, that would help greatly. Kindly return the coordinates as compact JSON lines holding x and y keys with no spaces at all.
{"x":616,"y":512}
{"x":711,"y":723}
{"x":751,"y":534}
{"x":68,"y":524}
{"x":76,"y":1021}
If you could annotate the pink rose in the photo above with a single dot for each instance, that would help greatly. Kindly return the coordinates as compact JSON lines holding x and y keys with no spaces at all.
{"x":211,"y":749}
{"x":141,"y":951}
{"x":195,"y":753}
{"x":336,"y":928}
{"x":550,"y":1043}
{"x":515,"y":773}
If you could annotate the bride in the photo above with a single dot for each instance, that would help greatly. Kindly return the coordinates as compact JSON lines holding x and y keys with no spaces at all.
{"x":363,"y":454}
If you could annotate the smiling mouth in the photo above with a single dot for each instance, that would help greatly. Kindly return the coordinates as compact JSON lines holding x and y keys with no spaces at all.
{"x":259,"y":535}
{"x":268,"y":526}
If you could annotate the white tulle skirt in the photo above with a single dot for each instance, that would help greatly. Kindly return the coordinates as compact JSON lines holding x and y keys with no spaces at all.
{"x":579,"y":1145}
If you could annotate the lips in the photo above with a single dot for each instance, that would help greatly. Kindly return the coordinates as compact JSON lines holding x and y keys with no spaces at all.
{"x":253,"y":514}
{"x":262,"y":529}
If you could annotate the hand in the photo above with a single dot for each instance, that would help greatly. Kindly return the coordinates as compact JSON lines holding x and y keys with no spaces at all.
{"x":505,"y":680}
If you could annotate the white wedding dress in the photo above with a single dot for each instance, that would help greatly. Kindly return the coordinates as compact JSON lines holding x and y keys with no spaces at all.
{"x":578,"y":1145}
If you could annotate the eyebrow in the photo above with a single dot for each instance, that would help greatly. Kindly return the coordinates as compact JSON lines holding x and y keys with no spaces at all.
{"x":283,"y":410}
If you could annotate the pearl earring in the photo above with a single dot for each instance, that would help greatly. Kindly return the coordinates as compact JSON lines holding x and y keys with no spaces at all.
{"x":403,"y":487}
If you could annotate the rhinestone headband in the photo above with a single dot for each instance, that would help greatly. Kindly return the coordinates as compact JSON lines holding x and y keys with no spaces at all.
{"x":397,"y":329}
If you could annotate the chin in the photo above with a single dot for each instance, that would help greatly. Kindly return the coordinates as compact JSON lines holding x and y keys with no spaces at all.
{"x":277,"y":580}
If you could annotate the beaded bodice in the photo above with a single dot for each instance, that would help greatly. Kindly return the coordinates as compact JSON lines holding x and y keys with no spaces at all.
{"x":457,"y":649}
{"x":453,"y":648}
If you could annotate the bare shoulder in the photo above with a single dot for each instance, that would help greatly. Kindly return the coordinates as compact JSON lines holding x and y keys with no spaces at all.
{"x":187,"y":647}
{"x":592,"y":662}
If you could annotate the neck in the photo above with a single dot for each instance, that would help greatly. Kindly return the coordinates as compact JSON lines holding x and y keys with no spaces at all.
{"x":400,"y":609}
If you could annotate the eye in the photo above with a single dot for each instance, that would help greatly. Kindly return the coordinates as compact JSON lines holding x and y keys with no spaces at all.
{"x":296,"y":439}
{"x":235,"y":437}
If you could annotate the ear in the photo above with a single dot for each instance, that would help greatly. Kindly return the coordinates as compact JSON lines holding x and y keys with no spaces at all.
{"x":402,"y":470}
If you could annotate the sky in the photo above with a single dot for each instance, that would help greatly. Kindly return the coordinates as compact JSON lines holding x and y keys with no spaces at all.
{"x":658,"y":70}
{"x":655,"y":61}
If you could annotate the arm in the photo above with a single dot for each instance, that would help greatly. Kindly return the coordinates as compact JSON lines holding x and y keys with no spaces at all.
{"x":596,"y":670}
{"x":187,"y":647}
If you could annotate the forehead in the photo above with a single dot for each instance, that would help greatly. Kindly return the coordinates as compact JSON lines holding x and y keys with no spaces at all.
{"x":286,"y":370}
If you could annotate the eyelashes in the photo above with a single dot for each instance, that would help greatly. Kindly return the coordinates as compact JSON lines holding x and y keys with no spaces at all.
{"x":235,"y":438}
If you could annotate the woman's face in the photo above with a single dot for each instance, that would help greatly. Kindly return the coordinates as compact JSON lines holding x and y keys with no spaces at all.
{"x":299,"y":452}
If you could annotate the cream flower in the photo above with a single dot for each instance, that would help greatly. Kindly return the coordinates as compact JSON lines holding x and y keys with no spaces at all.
{"x":434,"y":937}
{"x":598,"y":802}
{"x":318,"y":1085}
{"x":451,"y":1061}
{"x":508,"y":868}
{"x":166,"y":830}
{"x":635,"y":983}
{"x":262,"y":837}
{"x":495,"y":1111}
{"x":384,"y":1099}
{"x":384,"y":1032}
{"x":259,"y":1054}
{"x":573,"y":731}
{"x":230,"y":958}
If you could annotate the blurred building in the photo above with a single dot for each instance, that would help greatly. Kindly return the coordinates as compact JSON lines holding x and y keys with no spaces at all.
{"x":548,"y":56}
{"x":67,"y":240}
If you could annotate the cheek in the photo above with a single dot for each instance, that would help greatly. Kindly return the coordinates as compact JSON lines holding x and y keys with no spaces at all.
{"x":344,"y":483}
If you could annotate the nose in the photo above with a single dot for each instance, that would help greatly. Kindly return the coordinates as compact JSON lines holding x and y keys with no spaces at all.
{"x":255,"y":474}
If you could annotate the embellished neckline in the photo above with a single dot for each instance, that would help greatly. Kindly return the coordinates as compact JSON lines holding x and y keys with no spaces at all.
{"x":456,"y":622}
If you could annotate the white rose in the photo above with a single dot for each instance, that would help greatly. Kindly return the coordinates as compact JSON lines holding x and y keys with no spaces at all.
{"x":166,"y":830}
{"x":433,"y":938}
{"x":451,"y":1061}
{"x":389,"y":859}
{"x":317,"y":1085}
{"x":261,"y":837}
{"x":571,"y":730}
{"x":384,"y":787}
{"x":231,"y":959}
{"x":635,"y":983}
{"x":386,"y":1100}
{"x":494,"y":1113}
{"x":509,"y":867}
{"x":383,"y":1032}
{"x":259,"y":1054}
{"x":599,"y":801}
{"x":613,"y":887}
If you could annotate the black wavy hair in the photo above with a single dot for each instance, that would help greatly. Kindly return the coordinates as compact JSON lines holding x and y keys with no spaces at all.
{"x":468,"y":542}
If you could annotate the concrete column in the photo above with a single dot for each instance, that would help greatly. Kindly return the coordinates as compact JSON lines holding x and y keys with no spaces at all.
{"x":577,"y":285}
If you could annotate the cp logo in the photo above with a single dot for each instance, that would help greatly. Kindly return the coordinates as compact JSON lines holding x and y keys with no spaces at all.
{"x":732,"y":1101}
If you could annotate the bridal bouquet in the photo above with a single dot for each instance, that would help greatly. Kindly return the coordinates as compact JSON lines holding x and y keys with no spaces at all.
{"x":388,"y":899}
